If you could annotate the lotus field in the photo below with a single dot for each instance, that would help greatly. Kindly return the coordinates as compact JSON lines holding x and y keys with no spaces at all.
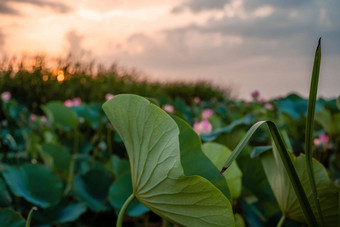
{"x":129,"y":160}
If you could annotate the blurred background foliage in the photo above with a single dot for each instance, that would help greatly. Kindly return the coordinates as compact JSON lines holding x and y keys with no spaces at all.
{"x":34,"y":82}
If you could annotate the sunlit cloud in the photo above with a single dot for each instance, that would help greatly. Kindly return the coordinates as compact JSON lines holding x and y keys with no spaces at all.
{"x":10,"y":6}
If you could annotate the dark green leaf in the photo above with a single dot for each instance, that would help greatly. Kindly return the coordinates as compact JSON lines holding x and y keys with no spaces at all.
{"x":61,"y":213}
{"x":61,"y":115}
{"x":10,"y":218}
{"x":92,"y":188}
{"x":35,"y":183}
{"x":5,"y":197}
{"x":121,"y":189}
{"x":61,"y":159}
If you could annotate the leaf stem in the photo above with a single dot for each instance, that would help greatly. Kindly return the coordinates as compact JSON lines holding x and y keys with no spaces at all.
{"x":123,"y":209}
{"x":109,"y":141}
{"x":282,"y":219}
{"x":70,"y":177}
{"x":29,"y":217}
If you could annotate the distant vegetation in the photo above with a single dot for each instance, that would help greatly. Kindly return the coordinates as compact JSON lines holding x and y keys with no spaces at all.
{"x":34,"y":83}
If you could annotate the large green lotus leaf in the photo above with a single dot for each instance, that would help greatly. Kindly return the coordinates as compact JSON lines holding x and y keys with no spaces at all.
{"x":35,"y":183}
{"x":11,"y":218}
{"x":92,"y":188}
{"x":217,"y":153}
{"x":328,"y":193}
{"x":5,"y":197}
{"x":121,"y":189}
{"x":193,"y":158}
{"x":151,"y":139}
{"x":61,"y":115}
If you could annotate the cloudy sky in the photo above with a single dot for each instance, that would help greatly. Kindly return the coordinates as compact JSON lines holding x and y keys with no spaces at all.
{"x":243,"y":44}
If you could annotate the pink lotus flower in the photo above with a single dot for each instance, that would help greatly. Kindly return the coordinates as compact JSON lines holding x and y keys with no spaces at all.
{"x":109,"y":96}
{"x":33,"y":117}
{"x":324,"y":138}
{"x":269,"y":106}
{"x":68,"y":103}
{"x":169,"y":108}
{"x":202,"y":127}
{"x":76,"y":101}
{"x":322,"y":141}
{"x":255,"y":94}
{"x":207,"y":113}
{"x":6,"y":96}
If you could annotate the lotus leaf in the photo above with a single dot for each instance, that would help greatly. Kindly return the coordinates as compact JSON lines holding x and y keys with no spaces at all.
{"x":151,"y":139}
{"x":10,"y":218}
{"x":217,"y":153}
{"x":61,"y":115}
{"x":35,"y":183}
{"x":93,"y":187}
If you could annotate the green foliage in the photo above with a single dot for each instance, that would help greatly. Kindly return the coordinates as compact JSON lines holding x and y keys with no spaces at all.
{"x":217,"y":154}
{"x":81,"y":175}
{"x":35,"y":183}
{"x":121,"y":189}
{"x":151,"y":140}
{"x":10,"y":218}
{"x":60,"y":115}
{"x":328,"y":193}
{"x":36,"y":84}
{"x":61,"y":213}
{"x":92,"y":188}
{"x":193,"y":158}
{"x":5,"y":197}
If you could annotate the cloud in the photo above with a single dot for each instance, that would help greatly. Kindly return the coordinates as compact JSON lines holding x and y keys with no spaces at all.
{"x":200,"y":5}
{"x":2,"y":40}
{"x":263,"y":43}
{"x":74,"y":41}
{"x":276,"y":25}
{"x":6,"y":8}
{"x":197,"y":6}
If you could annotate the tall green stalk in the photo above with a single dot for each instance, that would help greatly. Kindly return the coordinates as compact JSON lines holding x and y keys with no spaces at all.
{"x":309,"y":129}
